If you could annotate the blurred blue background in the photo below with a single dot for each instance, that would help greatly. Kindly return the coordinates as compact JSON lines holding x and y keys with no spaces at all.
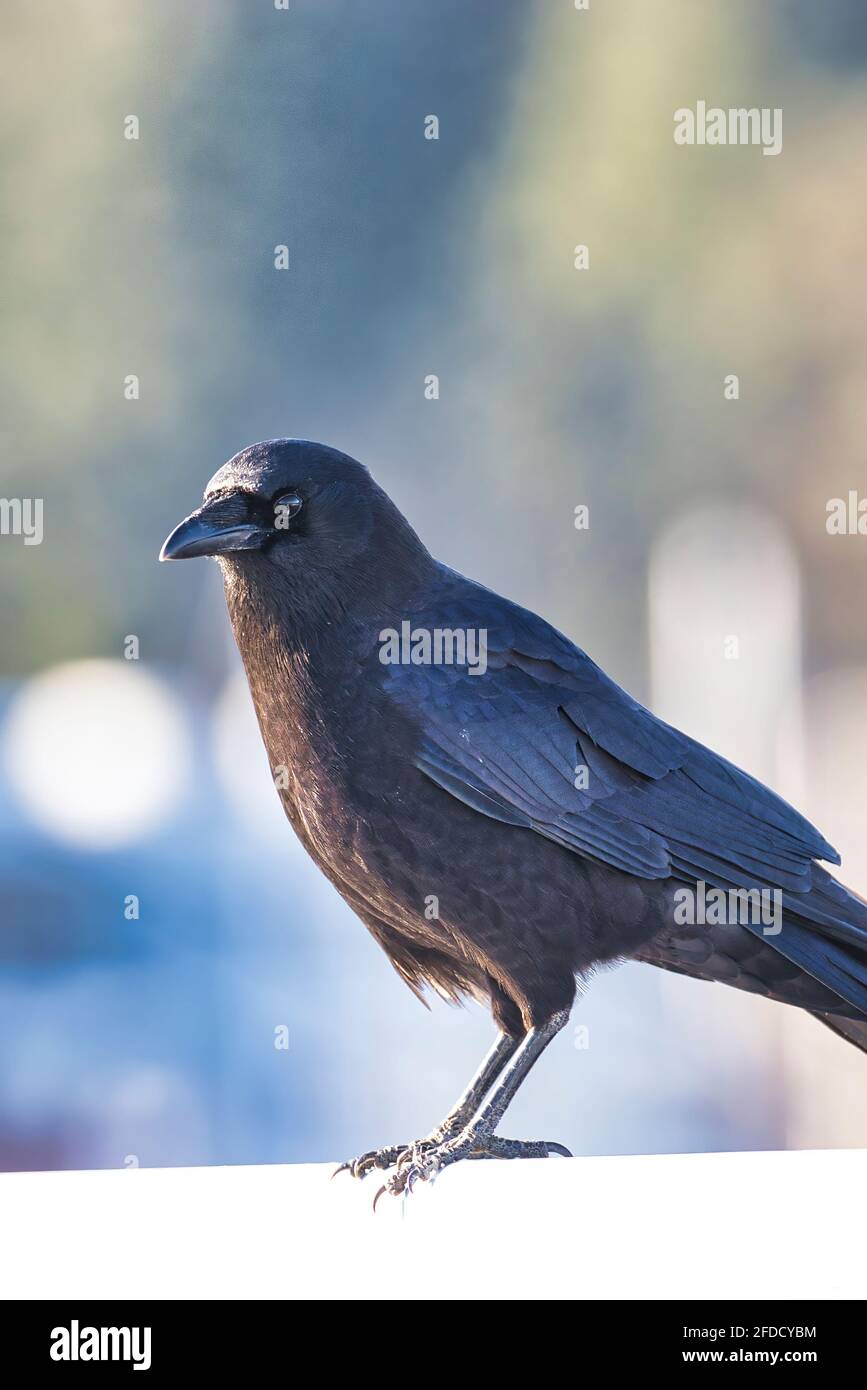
{"x":179,"y":985}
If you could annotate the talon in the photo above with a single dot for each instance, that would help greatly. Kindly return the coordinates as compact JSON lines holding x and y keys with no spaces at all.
{"x":394,"y":1186}
{"x":366,"y":1162}
{"x":423,"y":1160}
{"x":384,"y":1188}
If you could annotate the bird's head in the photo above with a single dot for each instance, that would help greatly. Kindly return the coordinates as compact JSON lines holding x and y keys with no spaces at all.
{"x":288,"y":514}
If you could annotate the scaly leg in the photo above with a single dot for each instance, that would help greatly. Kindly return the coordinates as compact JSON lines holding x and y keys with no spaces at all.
{"x":464,"y":1110}
{"x":477,"y":1139}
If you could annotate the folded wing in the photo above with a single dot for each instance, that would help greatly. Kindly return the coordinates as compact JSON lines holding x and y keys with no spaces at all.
{"x":544,"y":740}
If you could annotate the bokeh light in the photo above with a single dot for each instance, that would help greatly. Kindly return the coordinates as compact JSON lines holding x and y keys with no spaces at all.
{"x":96,"y":752}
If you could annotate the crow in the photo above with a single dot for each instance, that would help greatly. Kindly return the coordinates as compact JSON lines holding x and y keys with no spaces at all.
{"x":499,"y":813}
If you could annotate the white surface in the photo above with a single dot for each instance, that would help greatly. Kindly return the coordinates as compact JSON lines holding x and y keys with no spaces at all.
{"x":767,"y":1225}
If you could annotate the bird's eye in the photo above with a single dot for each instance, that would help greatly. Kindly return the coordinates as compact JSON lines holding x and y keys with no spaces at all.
{"x":285,"y":508}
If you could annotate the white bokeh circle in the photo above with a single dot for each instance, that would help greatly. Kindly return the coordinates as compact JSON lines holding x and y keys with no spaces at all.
{"x":96,"y":752}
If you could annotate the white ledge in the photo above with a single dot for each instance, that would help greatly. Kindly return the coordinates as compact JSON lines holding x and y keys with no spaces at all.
{"x":765,"y":1225}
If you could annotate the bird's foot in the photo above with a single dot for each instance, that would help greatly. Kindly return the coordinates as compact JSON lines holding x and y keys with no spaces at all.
{"x":374,"y":1158}
{"x":394,"y":1153}
{"x":422,"y":1162}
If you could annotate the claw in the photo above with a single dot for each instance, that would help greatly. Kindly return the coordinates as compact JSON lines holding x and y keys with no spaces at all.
{"x":401,"y":1184}
{"x":366,"y":1162}
{"x":423,"y":1160}
{"x":384,"y":1188}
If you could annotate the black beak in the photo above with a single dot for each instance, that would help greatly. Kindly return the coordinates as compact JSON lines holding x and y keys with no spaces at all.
{"x":217,"y":528}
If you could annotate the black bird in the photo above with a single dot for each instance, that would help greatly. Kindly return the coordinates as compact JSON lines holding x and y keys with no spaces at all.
{"x":497,"y":811}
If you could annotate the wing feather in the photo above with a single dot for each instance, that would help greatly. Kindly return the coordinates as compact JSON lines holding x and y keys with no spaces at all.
{"x":512,"y":743}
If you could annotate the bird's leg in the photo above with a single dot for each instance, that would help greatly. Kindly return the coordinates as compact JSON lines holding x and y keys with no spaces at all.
{"x":477,"y":1138}
{"x":457,"y":1118}
{"x":465,"y":1108}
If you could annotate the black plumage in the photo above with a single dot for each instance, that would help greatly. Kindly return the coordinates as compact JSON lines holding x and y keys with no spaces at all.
{"x":505,"y":823}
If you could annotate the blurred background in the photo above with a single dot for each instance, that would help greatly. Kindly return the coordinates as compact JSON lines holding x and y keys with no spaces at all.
{"x":178,"y":984}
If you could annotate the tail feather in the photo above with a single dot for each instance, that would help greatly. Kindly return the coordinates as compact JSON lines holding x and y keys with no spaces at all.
{"x":854,"y":1030}
{"x":825,"y":932}
{"x":839,"y":909}
{"x":842,"y":969}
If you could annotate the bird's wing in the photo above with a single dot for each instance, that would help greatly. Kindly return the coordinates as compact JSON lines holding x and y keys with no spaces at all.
{"x":542,"y":738}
